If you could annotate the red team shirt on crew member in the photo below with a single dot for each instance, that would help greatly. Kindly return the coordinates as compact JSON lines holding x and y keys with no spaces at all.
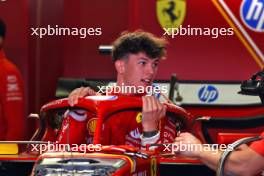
{"x":12,"y":121}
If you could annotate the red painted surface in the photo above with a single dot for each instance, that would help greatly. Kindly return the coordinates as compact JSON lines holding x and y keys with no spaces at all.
{"x":15,"y":15}
{"x":43,"y":61}
{"x":190,"y":57}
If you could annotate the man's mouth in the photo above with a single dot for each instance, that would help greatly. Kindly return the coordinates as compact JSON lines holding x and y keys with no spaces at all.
{"x":146,"y":81}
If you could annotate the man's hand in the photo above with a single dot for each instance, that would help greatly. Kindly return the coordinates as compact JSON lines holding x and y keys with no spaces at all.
{"x":188,"y":139}
{"x":79,"y":93}
{"x":153,"y":112}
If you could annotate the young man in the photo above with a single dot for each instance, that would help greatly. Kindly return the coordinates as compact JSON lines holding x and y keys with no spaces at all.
{"x":12,"y":119}
{"x":247,"y":160}
{"x":136,"y":58}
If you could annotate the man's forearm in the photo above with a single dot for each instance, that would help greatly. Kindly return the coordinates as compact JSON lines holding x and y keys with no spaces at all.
{"x":210,"y":158}
{"x":241,"y":162}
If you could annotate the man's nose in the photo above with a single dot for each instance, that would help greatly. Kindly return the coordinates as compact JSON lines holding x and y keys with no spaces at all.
{"x":150,"y":69}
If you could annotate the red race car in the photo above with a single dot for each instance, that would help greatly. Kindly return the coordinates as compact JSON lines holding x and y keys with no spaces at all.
{"x":53,"y":158}
{"x":61,"y":146}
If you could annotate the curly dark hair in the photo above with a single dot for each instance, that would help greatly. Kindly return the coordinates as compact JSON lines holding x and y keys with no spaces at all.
{"x":2,"y":28}
{"x":139,"y":41}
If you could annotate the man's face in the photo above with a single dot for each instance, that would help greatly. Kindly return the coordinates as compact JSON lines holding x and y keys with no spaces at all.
{"x":139,"y":70}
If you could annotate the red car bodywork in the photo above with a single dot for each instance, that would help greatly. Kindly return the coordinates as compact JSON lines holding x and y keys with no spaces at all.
{"x":135,"y":162}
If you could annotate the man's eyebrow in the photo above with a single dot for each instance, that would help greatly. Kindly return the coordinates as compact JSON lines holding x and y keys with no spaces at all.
{"x":146,"y":59}
{"x":143,"y":58}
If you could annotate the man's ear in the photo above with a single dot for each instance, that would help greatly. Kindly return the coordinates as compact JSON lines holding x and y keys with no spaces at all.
{"x":120,"y":66}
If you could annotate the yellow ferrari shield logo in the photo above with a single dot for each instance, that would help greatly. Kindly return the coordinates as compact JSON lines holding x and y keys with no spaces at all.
{"x":91,"y":125}
{"x":139,"y":117}
{"x":170,"y":13}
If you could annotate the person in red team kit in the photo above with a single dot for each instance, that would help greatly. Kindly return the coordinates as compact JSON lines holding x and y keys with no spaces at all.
{"x":136,"y":58}
{"x":247,"y":160}
{"x":12,"y":119}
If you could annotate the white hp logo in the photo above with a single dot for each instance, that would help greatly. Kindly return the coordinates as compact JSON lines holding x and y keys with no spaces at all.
{"x":252,"y":13}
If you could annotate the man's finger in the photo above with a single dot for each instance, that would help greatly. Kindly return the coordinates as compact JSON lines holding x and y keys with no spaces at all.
{"x":78,"y":93}
{"x":146,"y":104}
{"x":178,"y":139}
{"x":185,"y":134}
{"x":149,"y":104}
{"x":154,"y":104}
{"x":143,"y":104}
{"x":98,"y":94}
{"x":83,"y":92}
{"x":175,"y":147}
{"x":72,"y":98}
{"x":89,"y":91}
{"x":161,"y":109}
{"x":164,"y":109}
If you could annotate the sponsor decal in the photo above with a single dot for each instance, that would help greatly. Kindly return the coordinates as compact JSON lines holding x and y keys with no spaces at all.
{"x":12,"y":84}
{"x":135,"y":134}
{"x":208,"y":93}
{"x":91,"y":125}
{"x":247,"y":20}
{"x":13,"y":92}
{"x":170,"y":13}
{"x":139,"y":117}
{"x":252,"y":14}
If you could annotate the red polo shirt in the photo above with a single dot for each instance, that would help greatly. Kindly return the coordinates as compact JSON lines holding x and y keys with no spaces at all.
{"x":12,"y":119}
